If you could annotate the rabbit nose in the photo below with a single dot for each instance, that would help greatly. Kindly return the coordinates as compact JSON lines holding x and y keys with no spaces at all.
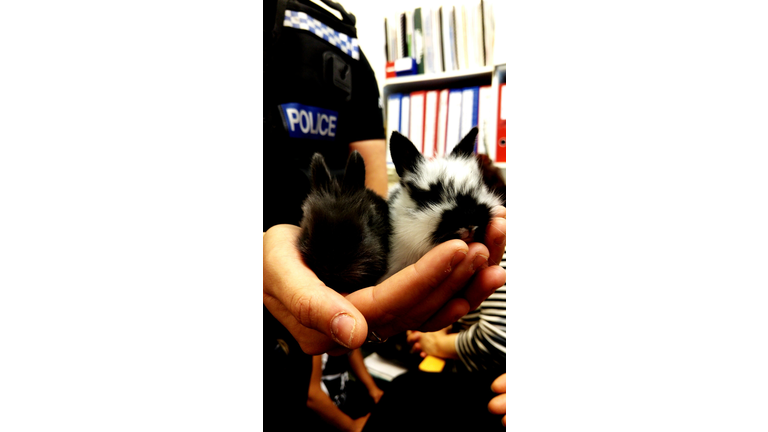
{"x":467,"y":234}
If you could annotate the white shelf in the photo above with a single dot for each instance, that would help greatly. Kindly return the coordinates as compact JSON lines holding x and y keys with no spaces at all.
{"x":438,"y":81}
{"x":426,"y":78}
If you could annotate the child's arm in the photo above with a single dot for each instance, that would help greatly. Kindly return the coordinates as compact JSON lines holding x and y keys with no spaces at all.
{"x":322,"y":404}
{"x":361,"y":372}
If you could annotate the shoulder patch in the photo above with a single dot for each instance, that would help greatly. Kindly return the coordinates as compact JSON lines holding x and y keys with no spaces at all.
{"x":300,"y":20}
{"x":303,"y":121}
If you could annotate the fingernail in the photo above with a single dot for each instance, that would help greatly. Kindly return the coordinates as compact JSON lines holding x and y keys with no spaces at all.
{"x":479,"y":261}
{"x":343,"y":328}
{"x":457,"y":258}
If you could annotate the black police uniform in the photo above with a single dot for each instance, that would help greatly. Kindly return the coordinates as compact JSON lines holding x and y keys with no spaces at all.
{"x":320,"y":95}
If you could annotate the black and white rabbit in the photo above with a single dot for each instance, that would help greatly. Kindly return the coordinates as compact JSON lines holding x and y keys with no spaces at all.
{"x":345,"y":227}
{"x":436,"y":200}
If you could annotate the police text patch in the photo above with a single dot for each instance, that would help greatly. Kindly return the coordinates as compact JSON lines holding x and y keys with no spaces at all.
{"x":309,"y":122}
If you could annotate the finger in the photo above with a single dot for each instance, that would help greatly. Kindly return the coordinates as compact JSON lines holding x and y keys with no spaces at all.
{"x":312,"y":341}
{"x":390,"y":303}
{"x":485,"y":282}
{"x":413,"y":337}
{"x":499,"y":385}
{"x":298,"y":298}
{"x":477,"y":258}
{"x":496,"y":239}
{"x":449,"y":314}
{"x":498,"y":405}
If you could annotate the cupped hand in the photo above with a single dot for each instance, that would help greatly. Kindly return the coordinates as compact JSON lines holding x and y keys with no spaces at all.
{"x":319,"y":318}
{"x":427,"y":295}
{"x":431,"y":293}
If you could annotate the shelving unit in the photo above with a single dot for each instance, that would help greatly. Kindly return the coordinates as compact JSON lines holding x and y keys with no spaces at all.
{"x":458,"y":79}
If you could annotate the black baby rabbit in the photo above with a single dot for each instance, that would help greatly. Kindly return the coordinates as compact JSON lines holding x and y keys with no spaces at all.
{"x":345,"y":227}
{"x":436,"y":200}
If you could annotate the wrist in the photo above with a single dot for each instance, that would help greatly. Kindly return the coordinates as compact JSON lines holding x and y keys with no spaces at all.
{"x":447,"y":347}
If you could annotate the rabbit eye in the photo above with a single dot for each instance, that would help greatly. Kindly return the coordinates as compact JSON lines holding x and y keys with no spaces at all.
{"x":425,"y":197}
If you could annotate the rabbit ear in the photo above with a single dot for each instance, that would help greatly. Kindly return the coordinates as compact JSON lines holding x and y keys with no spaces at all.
{"x":321,"y":177}
{"x":354,"y":174}
{"x":405,"y":155}
{"x":466,"y":147}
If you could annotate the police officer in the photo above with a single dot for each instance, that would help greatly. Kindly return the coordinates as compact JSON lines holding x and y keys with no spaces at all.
{"x":320,"y":95}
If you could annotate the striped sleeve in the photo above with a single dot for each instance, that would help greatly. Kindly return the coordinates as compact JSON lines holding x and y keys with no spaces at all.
{"x":482,"y":343}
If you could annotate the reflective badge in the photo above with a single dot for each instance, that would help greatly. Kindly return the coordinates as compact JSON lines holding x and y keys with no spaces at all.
{"x":300,"y":20}
{"x":309,"y":122}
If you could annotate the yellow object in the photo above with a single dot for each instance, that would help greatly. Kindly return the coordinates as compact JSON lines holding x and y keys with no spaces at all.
{"x":432,"y":364}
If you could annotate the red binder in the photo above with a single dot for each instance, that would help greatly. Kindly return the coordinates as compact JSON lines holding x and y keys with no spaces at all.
{"x":390,"y":70}
{"x":501,"y":135}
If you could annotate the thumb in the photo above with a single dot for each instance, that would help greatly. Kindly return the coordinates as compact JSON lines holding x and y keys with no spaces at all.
{"x":323,"y":309}
{"x":303,"y":304}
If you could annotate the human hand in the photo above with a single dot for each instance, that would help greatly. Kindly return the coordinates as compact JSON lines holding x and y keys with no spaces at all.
{"x":318,"y":318}
{"x":432,"y":293}
{"x":428,"y":295}
{"x":413,"y":337}
{"x":498,"y":405}
{"x":437,"y":344}
{"x":496,"y":236}
{"x":359,"y":423}
{"x":376,"y":393}
{"x":496,"y":242}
